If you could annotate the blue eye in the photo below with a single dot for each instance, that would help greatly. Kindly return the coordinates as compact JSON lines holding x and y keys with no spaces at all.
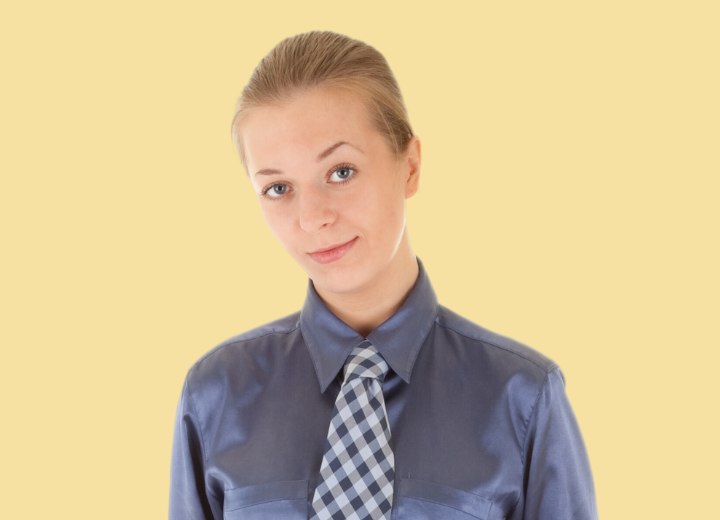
{"x":342,"y":173}
{"x":275,"y":191}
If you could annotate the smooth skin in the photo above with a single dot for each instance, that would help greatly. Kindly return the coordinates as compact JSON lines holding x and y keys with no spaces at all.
{"x":324,"y":176}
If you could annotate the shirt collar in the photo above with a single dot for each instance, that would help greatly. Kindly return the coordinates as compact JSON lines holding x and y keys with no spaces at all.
{"x":398,"y":339}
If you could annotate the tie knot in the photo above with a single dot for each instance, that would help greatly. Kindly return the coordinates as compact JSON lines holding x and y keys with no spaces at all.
{"x":365,"y":361}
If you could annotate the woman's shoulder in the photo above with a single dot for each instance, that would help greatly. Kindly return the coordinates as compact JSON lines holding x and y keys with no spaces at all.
{"x":507,"y":349}
{"x":246,"y":343}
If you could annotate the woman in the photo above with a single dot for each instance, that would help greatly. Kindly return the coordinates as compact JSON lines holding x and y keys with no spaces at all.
{"x":374,"y":400}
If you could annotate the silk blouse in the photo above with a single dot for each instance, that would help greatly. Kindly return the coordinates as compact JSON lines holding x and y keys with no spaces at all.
{"x":481,"y":426}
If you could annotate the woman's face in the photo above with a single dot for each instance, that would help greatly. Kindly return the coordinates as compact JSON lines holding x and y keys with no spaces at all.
{"x":330,"y":187}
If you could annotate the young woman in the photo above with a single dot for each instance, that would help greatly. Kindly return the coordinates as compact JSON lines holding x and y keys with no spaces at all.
{"x":373,"y":401}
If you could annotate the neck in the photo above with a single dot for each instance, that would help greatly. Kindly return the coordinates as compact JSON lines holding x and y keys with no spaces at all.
{"x":365,"y":310}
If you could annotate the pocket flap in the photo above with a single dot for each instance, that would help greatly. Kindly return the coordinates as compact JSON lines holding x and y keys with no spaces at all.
{"x":469,"y":503}
{"x":246,"y":496}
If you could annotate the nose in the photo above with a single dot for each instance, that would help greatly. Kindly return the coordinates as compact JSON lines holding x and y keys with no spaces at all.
{"x":316,"y":211}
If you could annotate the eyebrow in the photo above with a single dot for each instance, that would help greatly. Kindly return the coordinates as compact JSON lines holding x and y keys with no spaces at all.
{"x":322,"y":155}
{"x":334,"y":147}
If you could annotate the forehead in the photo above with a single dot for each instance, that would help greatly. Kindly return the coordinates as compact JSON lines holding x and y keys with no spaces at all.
{"x":304,"y":125}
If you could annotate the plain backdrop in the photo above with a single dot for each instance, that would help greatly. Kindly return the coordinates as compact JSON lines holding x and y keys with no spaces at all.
{"x":568,"y":199}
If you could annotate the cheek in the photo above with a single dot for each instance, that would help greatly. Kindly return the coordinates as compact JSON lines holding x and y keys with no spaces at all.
{"x":279,"y":222}
{"x":392,"y":195}
{"x":384,"y":212}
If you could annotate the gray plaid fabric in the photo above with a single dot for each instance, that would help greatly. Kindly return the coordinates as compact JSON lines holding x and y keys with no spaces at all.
{"x":357,"y":471}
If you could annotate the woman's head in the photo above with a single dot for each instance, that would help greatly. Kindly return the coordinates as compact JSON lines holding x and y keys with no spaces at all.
{"x":331,"y":169}
{"x":324,"y":58}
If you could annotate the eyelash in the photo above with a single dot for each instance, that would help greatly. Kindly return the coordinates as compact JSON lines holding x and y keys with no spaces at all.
{"x":341,"y":166}
{"x":344,"y":166}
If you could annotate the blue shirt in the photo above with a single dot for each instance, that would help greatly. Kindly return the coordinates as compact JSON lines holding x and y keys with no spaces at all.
{"x":481,"y":426}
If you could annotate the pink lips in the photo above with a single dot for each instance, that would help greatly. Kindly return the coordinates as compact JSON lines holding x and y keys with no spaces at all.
{"x":332,"y":254}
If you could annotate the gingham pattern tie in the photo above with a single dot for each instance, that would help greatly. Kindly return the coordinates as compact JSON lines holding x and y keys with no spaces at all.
{"x":357,"y":471}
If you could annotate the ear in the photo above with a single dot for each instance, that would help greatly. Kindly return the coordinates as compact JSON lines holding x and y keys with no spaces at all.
{"x":412,"y":164}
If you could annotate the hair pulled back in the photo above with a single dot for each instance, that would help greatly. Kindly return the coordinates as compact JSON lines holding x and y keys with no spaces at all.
{"x":325,"y":58}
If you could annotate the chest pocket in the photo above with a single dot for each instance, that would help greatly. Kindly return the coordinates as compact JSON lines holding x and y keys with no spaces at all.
{"x":421,"y":500}
{"x":285,"y":500}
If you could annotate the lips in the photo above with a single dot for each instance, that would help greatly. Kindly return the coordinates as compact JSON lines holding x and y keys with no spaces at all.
{"x":332,"y":253}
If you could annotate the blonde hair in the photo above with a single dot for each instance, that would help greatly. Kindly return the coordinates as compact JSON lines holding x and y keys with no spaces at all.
{"x":325,"y":58}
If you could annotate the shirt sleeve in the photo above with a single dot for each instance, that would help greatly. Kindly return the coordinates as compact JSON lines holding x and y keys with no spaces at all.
{"x":188,"y":496}
{"x":558,"y":483}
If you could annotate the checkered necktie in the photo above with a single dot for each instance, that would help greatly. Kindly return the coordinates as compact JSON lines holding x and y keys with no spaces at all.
{"x":357,"y":471}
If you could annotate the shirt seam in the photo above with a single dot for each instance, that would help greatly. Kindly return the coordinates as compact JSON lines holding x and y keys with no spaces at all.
{"x":523,"y":460}
{"x":430,"y":500}
{"x":266,"y":501}
{"x":203,"y":448}
{"x":530,"y":417}
{"x":546,"y":369}
{"x":229,"y":343}
{"x":193,"y":410}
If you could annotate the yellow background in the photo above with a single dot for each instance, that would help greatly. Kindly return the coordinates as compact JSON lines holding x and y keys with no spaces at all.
{"x":569,"y":199}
